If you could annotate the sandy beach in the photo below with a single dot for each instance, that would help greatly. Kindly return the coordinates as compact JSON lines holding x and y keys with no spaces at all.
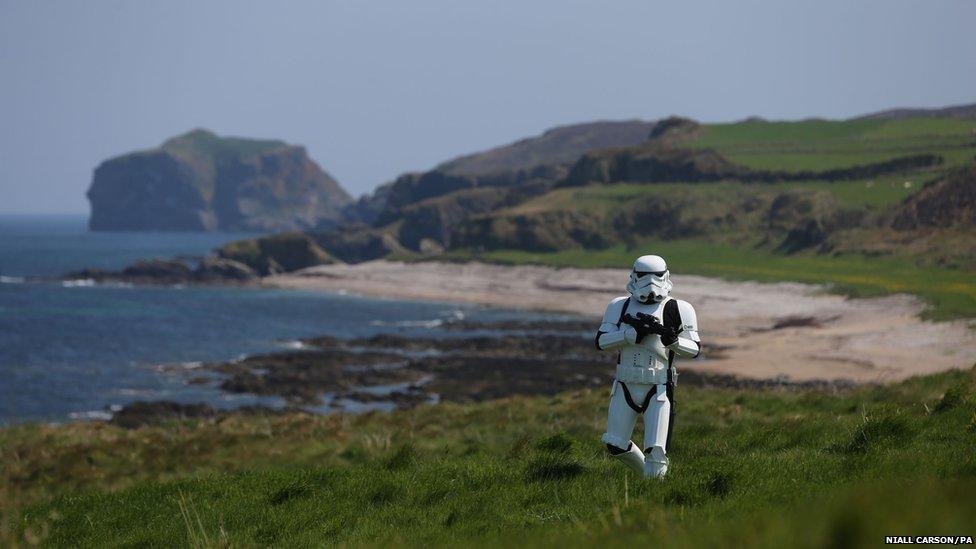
{"x":755,"y":330}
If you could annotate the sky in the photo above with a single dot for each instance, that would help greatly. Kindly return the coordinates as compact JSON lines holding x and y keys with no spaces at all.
{"x":375,"y":89}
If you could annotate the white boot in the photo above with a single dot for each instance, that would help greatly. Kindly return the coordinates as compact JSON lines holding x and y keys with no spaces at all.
{"x":633,"y":458}
{"x":656,"y":463}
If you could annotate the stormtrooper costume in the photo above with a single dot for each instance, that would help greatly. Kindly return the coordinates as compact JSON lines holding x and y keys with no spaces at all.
{"x":644,"y":384}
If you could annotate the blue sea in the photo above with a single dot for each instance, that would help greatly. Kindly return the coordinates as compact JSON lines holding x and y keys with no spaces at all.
{"x":70,"y":351}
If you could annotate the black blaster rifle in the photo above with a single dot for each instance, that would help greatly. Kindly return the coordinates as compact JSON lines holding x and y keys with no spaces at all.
{"x":646,"y":324}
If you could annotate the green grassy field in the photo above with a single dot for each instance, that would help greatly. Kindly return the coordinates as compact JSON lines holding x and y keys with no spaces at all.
{"x":826,"y":144}
{"x":766,"y":468}
{"x":879,"y":193}
{"x":949,"y":293}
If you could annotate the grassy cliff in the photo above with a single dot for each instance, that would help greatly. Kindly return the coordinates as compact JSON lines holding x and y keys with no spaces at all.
{"x":833,"y":202}
{"x":767,"y":468}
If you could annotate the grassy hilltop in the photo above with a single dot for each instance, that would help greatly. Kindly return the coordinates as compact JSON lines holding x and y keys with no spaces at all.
{"x":810,"y":230}
{"x":870,"y":205}
{"x":768,"y":468}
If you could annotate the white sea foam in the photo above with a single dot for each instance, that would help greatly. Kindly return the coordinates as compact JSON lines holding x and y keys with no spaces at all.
{"x":409,"y":323}
{"x":294,"y":345}
{"x":91,"y":414}
{"x":79,"y":283}
{"x":458,"y":314}
{"x":11,"y":279}
{"x":125,"y":391}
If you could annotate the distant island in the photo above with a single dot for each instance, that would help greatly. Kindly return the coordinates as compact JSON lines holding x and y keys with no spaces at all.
{"x":200,"y":181}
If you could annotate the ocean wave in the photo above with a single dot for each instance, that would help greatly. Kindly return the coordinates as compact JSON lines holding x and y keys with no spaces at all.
{"x":12,"y":280}
{"x":91,"y":414}
{"x":90,"y":282}
{"x":126,"y":391}
{"x":176,"y":366}
{"x":294,"y":345}
{"x":409,"y":323}
{"x":457,"y":314}
{"x":79,"y":283}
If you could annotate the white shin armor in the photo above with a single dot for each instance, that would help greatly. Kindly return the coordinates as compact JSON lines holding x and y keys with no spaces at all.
{"x":655,"y":463}
{"x":633,"y":458}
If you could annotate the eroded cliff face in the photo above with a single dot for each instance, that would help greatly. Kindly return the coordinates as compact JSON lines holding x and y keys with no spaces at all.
{"x":201,"y":182}
{"x":949,"y":202}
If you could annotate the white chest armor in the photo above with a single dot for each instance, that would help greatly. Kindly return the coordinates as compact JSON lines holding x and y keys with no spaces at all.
{"x":647,"y":361}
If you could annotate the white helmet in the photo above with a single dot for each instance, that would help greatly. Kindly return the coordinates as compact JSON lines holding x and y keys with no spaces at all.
{"x":650,"y":279}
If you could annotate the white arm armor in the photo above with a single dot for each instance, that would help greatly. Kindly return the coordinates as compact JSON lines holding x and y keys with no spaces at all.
{"x":688,"y":343}
{"x":610,"y":336}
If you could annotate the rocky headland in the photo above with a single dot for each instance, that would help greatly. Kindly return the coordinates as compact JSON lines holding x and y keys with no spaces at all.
{"x":199,"y":181}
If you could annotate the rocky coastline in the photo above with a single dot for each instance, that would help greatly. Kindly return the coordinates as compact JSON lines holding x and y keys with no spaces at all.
{"x":475,"y":362}
{"x":176,"y":271}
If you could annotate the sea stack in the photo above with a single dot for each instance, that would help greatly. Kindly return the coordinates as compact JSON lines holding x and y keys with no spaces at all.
{"x":199,"y":181}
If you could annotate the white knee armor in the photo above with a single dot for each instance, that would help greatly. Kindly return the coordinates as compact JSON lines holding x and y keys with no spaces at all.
{"x":648,"y":329}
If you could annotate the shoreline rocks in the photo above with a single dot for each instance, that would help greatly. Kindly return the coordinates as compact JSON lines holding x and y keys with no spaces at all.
{"x":390,"y":371}
{"x":208,"y":270}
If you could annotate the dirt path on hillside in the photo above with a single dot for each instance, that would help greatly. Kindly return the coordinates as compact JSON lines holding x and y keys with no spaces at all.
{"x":750,"y":329}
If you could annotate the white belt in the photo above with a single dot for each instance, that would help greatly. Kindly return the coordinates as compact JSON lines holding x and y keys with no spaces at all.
{"x":650,"y":376}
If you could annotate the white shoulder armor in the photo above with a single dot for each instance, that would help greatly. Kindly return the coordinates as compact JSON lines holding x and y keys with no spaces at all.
{"x":689,"y":320}
{"x":610,"y":336}
{"x":616,"y":306}
{"x":688,"y":343}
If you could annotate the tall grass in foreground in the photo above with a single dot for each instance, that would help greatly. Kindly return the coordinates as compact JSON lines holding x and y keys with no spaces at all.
{"x":764,"y":468}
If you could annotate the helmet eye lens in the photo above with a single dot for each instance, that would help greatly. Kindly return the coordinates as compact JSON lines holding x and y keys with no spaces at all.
{"x":640,"y":274}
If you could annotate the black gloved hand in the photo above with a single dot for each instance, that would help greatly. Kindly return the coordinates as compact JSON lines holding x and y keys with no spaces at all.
{"x":646,"y":324}
{"x":669,"y":336}
{"x":639,"y":325}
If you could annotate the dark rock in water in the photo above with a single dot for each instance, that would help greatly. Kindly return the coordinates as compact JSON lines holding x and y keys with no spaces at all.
{"x":201,"y":182}
{"x":214,"y":269}
{"x":141,"y":413}
{"x":210,"y":270}
{"x":90,"y":274}
{"x":158,"y":270}
{"x":409,"y":370}
{"x":301,"y":377}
